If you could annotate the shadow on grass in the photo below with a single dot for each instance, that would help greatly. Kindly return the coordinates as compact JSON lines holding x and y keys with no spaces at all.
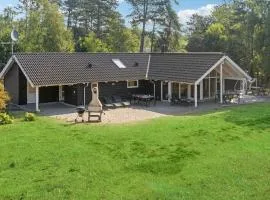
{"x":252,"y":116}
{"x":154,"y":158}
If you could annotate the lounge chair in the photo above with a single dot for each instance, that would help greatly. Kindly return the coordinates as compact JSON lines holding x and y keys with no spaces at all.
{"x":118,"y":99}
{"x":107,"y":103}
{"x":109,"y":100}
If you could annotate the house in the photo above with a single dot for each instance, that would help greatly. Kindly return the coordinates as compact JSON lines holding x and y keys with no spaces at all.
{"x":33,"y":78}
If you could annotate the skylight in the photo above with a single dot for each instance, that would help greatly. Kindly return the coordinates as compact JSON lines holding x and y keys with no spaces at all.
{"x":119,"y":63}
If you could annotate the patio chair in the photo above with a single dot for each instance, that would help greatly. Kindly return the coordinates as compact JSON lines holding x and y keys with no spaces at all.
{"x":118,"y":99}
{"x":107,"y":102}
{"x":175,"y":100}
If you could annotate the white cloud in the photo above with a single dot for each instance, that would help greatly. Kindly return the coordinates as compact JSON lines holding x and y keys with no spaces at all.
{"x":184,"y":15}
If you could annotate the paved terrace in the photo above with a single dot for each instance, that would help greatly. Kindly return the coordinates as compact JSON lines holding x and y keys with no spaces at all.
{"x":134,"y":113}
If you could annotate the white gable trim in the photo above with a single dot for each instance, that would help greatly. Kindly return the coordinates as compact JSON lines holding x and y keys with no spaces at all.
{"x":9,"y":65}
{"x":28,"y":79}
{"x":222,"y":60}
{"x":211,"y":69}
{"x":6,"y":68}
{"x":238,"y":68}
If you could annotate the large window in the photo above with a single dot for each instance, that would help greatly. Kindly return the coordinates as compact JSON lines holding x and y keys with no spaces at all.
{"x":132,"y":84}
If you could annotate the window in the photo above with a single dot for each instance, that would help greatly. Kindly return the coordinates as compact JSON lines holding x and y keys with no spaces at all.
{"x":119,"y":64}
{"x":132,"y":84}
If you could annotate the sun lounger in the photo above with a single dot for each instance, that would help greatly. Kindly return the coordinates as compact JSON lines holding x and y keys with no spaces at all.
{"x":110,"y":101}
{"x":107,"y":102}
{"x":118,"y":99}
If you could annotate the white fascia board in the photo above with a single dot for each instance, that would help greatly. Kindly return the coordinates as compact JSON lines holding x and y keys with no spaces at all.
{"x":211,"y":69}
{"x":238,"y":68}
{"x":7,"y":67}
{"x":23,"y":71}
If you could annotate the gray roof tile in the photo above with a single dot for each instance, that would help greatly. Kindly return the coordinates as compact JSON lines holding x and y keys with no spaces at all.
{"x":182,"y":67}
{"x":71,"y":68}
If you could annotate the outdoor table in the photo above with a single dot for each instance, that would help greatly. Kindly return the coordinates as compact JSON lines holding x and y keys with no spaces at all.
{"x":143,"y":98}
{"x":227,"y":97}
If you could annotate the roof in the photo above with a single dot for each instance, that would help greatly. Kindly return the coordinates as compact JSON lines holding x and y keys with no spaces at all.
{"x":45,"y":69}
{"x":182,"y":67}
{"x":70,"y":68}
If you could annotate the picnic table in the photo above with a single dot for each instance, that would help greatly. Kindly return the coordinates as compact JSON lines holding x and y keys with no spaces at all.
{"x":143,"y":99}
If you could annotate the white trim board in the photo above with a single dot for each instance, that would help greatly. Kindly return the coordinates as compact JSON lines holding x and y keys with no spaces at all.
{"x":209,"y":70}
{"x":9,"y":65}
{"x":222,"y":60}
{"x":6,"y":68}
{"x":237,"y":67}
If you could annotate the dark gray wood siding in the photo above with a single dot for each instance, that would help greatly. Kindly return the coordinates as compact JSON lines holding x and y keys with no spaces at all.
{"x":75,"y":94}
{"x":49,"y":94}
{"x":70,"y":94}
{"x":120,"y":88}
{"x":11,"y":83}
{"x":22,"y":88}
{"x":16,"y":85}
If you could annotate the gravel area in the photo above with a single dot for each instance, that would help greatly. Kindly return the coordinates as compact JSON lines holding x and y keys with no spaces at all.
{"x":116,"y":116}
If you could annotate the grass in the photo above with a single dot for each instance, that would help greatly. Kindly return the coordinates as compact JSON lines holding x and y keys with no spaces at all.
{"x":219,"y":155}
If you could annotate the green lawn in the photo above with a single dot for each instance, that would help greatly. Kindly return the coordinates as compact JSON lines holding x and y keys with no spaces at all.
{"x":220,"y":155}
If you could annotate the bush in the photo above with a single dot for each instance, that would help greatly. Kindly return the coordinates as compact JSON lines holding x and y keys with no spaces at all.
{"x":4,"y":98}
{"x":29,"y":117}
{"x":5,"y":119}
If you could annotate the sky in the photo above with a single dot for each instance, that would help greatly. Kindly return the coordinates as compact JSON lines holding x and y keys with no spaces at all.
{"x":185,"y":9}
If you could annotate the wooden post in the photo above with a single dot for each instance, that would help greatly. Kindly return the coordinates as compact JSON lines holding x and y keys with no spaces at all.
{"x":161,"y":96}
{"x":60,"y":93}
{"x":189,"y":91}
{"x":154,"y":89}
{"x":196,"y":95}
{"x":37,"y":99}
{"x":221,"y":83}
{"x":209,"y":87}
{"x":169,"y":91}
{"x":201,"y":90}
{"x":224,"y":88}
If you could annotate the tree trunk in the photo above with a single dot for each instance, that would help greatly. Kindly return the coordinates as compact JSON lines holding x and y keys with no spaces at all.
{"x":69,"y":19}
{"x":98,"y":22}
{"x":142,"y":37}
{"x":145,"y":10}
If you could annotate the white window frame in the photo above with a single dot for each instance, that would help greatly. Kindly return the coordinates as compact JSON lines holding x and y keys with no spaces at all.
{"x":133,"y":86}
{"x":119,"y":63}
